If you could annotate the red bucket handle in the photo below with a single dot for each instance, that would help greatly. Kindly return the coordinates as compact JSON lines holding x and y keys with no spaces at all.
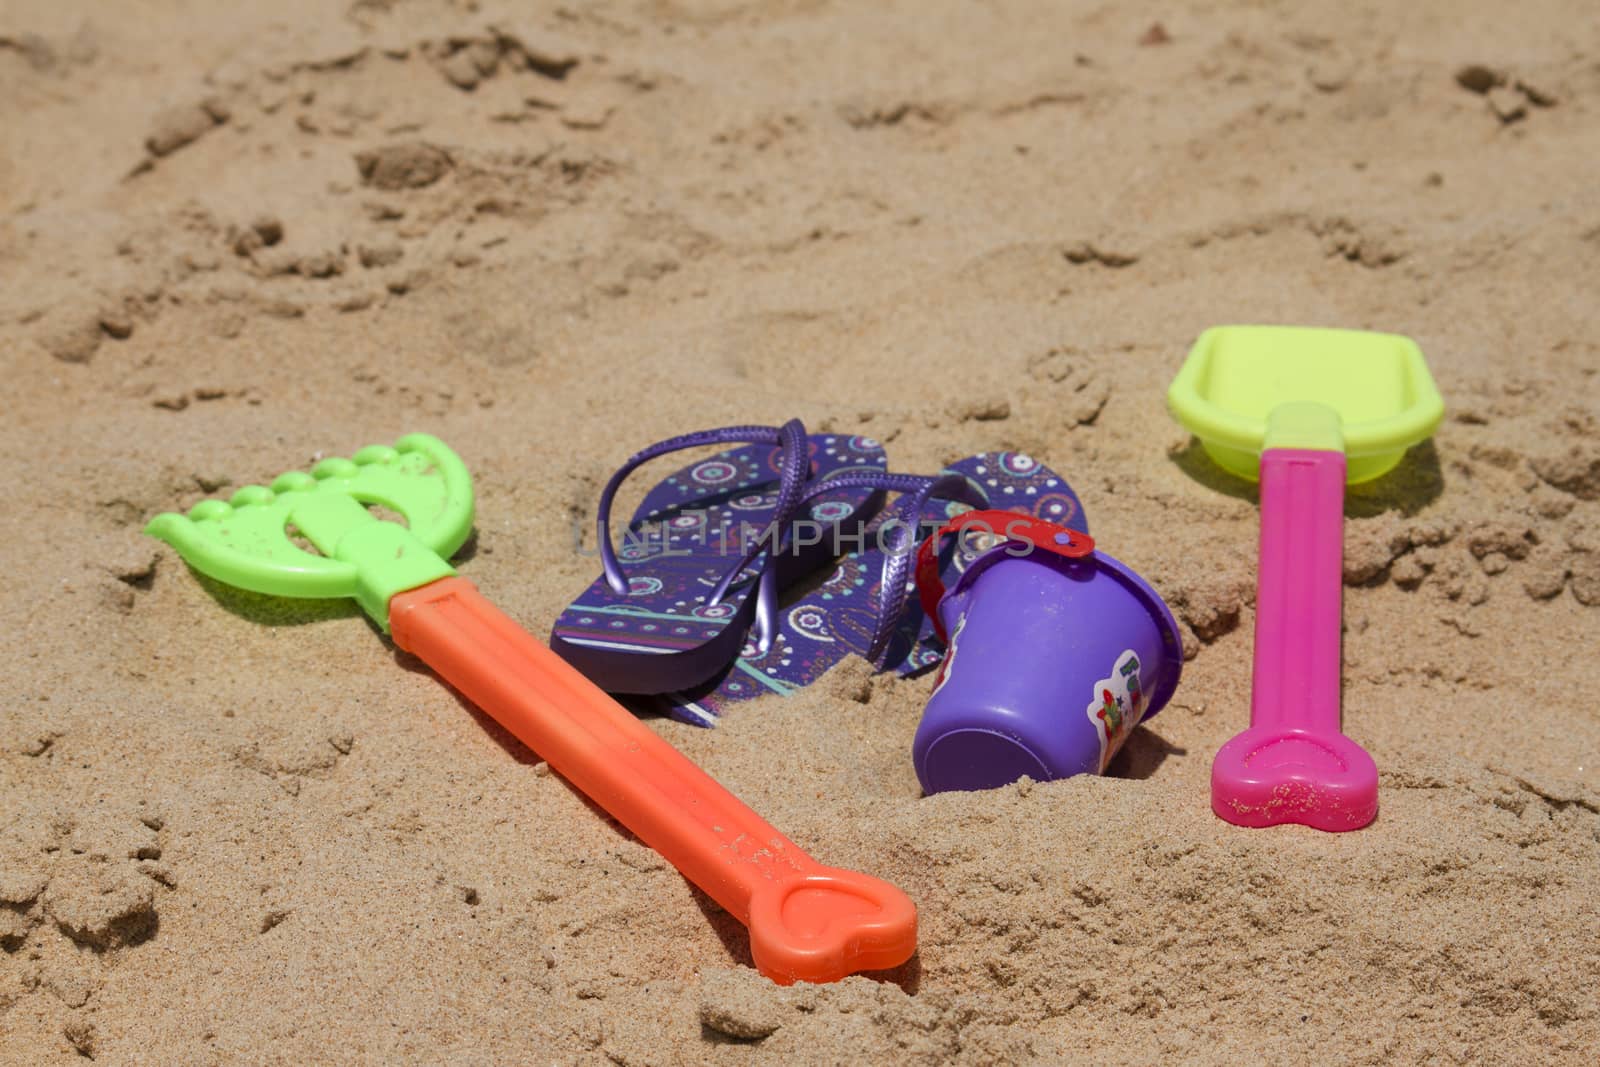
{"x":1011,"y":525}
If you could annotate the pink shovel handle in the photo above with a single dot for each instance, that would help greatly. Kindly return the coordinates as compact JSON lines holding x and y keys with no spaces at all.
{"x":1298,"y":590}
{"x":1293,"y":764}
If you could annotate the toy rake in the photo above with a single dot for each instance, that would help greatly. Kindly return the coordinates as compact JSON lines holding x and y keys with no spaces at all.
{"x":807,"y":922}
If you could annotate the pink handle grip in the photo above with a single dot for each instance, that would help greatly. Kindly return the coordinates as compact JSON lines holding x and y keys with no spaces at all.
{"x":1298,"y":590}
{"x":1293,"y":764}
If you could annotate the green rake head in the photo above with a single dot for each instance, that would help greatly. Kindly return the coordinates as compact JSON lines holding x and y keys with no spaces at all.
{"x":246,"y":541}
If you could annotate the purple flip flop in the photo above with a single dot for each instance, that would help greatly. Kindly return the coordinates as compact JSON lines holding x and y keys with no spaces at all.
{"x":849,"y":613}
{"x":708,"y":551}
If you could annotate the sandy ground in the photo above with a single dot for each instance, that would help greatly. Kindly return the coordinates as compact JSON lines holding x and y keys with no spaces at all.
{"x":234,"y":237}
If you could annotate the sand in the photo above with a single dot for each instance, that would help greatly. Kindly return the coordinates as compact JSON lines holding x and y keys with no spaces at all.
{"x":237,"y":237}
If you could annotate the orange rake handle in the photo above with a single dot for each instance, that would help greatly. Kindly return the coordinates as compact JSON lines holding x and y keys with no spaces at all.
{"x":807,"y":922}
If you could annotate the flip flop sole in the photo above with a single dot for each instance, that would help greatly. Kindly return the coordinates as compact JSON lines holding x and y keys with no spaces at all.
{"x":690,"y":528}
{"x":835,"y":620}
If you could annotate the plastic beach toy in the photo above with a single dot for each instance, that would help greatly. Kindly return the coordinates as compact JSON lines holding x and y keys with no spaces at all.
{"x":807,"y":922}
{"x":1056,"y":652}
{"x":1305,"y":411}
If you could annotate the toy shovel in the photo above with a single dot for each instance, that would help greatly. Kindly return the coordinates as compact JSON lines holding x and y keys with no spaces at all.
{"x":807,"y":922}
{"x":1304,"y":411}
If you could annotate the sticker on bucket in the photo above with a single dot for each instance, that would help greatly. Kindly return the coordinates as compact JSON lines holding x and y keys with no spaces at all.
{"x":949,"y":656}
{"x":1118,"y":704}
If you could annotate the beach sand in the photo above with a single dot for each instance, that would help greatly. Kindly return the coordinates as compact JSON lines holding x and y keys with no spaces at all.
{"x":238,"y":237}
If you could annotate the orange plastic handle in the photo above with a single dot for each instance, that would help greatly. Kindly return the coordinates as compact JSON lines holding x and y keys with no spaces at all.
{"x":807,"y":922}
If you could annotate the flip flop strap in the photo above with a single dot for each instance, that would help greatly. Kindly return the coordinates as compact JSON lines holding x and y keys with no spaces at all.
{"x":794,"y":469}
{"x":894,"y":585}
{"x":795,"y":472}
{"x":894,"y":588}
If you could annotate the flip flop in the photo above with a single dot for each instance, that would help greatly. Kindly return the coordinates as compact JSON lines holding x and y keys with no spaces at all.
{"x":708,"y":551}
{"x":848,"y":613}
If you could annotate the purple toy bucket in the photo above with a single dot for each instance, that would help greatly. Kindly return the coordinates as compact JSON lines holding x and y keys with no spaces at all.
{"x":1053,"y":660}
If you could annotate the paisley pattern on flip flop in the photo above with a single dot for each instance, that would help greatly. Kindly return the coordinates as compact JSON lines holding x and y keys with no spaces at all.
{"x":690,"y":529}
{"x":836,"y":619}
